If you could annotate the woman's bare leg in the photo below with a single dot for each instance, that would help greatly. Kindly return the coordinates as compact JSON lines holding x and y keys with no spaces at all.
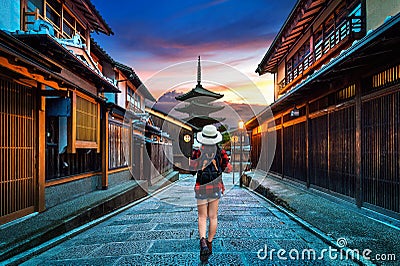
{"x":202,"y":217}
{"x":213,"y":216}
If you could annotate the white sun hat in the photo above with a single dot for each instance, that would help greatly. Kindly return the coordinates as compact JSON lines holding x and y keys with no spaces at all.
{"x":209,"y":135}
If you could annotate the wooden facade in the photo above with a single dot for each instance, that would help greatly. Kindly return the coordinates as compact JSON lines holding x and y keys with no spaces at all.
{"x":158,"y":159}
{"x":17,"y":149}
{"x":116,"y":133}
{"x":63,"y":101}
{"x":50,"y":106}
{"x":127,"y":116}
{"x":345,"y":139}
{"x":181,"y":136}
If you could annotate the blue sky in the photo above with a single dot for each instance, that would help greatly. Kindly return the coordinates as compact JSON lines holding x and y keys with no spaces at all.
{"x":152,"y":35}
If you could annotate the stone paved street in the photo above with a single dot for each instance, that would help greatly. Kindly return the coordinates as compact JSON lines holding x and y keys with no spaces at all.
{"x":162,"y":230}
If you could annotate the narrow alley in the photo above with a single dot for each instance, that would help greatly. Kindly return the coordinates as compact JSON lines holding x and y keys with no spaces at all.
{"x":162,"y":230}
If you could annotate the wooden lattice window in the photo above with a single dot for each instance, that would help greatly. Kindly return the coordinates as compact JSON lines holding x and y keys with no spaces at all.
{"x":346,"y":93}
{"x":18,"y":142}
{"x":387,"y":77}
{"x":134,"y":101}
{"x":86,"y":118}
{"x":84,"y":124}
{"x":117,"y":141}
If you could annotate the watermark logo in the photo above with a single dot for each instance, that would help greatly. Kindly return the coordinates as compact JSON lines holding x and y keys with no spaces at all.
{"x":341,"y":242}
{"x":330,"y":253}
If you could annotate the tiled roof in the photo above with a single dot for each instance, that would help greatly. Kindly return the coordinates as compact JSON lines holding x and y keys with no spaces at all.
{"x":299,"y":19}
{"x":97,"y":22}
{"x":198,"y":91}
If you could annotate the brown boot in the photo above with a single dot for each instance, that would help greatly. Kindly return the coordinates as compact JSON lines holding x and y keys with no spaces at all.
{"x":209,"y":245}
{"x":204,"y":251}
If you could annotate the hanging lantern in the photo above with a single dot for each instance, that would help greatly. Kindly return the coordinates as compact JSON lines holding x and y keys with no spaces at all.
{"x":187,"y":138}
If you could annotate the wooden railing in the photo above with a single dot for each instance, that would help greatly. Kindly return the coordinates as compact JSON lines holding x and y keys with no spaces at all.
{"x":353,"y":24}
{"x":29,"y":19}
{"x":301,"y":67}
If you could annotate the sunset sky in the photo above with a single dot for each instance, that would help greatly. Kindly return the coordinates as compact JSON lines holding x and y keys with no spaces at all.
{"x":152,"y":35}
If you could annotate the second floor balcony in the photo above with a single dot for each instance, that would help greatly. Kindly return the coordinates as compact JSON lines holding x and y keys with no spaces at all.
{"x":329,"y":46}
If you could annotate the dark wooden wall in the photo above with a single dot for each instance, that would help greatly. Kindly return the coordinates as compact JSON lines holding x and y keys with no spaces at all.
{"x":364,"y":114}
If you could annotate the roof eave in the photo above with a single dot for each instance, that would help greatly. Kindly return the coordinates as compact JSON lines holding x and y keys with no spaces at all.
{"x":105,"y":28}
{"x":339,"y":60}
{"x":269,"y":52}
{"x":101,"y":82}
{"x":127,"y":70}
{"x":101,"y":51}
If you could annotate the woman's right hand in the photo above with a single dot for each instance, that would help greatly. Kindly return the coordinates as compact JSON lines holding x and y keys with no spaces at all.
{"x":222,"y":188}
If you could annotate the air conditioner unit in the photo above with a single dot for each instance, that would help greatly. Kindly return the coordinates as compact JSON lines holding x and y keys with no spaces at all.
{"x":41,"y":26}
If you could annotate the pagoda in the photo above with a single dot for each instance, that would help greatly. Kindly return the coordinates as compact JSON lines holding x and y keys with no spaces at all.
{"x":199,"y":105}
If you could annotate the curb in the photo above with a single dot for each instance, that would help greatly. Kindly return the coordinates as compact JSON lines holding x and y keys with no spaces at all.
{"x":79,"y":226}
{"x":309,"y":227}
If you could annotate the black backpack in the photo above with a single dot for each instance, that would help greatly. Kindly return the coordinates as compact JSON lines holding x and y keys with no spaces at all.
{"x":210,"y":173}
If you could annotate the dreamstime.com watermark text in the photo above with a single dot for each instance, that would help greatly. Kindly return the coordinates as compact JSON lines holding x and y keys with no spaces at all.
{"x":326,"y":253}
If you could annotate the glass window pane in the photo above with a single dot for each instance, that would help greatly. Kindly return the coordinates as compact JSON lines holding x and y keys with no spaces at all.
{"x":53,"y":16}
{"x":35,"y":4}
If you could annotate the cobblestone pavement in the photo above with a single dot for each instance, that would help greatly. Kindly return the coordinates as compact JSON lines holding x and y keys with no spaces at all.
{"x":162,"y":230}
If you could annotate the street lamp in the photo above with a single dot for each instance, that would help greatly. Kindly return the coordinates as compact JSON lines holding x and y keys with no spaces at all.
{"x":295,"y":112}
{"x":241,"y":127}
{"x":234,"y":140}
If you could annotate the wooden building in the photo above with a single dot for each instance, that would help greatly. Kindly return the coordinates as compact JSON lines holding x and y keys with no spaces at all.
{"x":336,"y":69}
{"x":181,"y":136}
{"x":61,"y":119}
{"x":126,"y":128}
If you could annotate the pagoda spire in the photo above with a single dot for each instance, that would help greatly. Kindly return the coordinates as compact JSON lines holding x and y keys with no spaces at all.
{"x":198,"y":72}
{"x":199,"y":103}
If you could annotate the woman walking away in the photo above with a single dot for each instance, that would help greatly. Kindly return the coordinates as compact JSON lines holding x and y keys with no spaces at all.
{"x":209,"y":187}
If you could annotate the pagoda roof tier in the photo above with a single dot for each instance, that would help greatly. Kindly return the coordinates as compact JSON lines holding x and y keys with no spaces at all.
{"x":199,"y":91}
{"x":199,"y":108}
{"x":201,"y":121}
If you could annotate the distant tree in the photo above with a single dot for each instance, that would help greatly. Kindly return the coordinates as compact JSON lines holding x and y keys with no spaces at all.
{"x":222,"y":128}
{"x":225,"y":135}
